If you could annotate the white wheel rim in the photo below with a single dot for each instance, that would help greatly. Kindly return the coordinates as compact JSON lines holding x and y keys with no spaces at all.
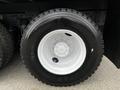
{"x":61,"y":52}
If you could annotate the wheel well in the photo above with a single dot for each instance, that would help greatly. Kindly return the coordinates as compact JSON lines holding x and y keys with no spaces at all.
{"x":16,"y":23}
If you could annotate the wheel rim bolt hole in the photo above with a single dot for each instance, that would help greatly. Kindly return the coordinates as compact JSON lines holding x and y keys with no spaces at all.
{"x":68,"y":34}
{"x":55,"y":60}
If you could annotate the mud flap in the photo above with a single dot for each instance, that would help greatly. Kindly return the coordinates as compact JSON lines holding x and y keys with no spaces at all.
{"x":111,"y":35}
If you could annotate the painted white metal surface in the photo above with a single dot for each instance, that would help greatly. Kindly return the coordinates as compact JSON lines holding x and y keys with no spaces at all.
{"x":66,"y":47}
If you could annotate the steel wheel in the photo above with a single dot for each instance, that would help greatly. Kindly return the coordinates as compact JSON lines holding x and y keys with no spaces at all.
{"x":61,"y":52}
{"x":61,"y":47}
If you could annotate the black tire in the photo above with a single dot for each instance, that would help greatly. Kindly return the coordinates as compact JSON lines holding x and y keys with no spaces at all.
{"x":31,"y":38}
{"x":6,"y":46}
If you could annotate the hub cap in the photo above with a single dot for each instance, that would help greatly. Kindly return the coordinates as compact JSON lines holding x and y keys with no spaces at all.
{"x":61,"y":49}
{"x":61,"y":52}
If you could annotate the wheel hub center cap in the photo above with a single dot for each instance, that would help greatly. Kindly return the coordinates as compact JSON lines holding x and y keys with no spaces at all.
{"x":61,"y":49}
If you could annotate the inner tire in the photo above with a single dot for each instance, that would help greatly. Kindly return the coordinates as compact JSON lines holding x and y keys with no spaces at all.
{"x":6,"y":46}
{"x":54,"y":21}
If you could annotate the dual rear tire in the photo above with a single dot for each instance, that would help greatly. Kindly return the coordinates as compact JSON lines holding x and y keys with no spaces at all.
{"x":61,"y":47}
{"x":6,"y":46}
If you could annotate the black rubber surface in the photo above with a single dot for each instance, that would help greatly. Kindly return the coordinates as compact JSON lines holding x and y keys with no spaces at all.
{"x":92,"y":38}
{"x":6,"y":46}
